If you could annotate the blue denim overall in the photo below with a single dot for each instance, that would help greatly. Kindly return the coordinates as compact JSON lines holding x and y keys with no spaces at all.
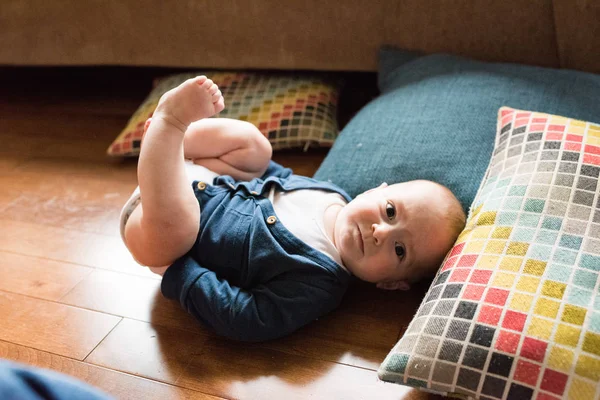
{"x":247,"y":277}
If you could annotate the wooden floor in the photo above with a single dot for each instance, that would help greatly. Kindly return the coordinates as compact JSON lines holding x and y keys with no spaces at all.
{"x":73,"y":300}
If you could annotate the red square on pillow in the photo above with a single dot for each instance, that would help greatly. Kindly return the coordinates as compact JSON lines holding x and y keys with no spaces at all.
{"x":574,"y":138}
{"x":481,"y":276}
{"x":473,"y":292}
{"x":489,"y":315}
{"x":468,"y":260}
{"x":592,"y":149}
{"x":457,"y":249}
{"x":497,"y":296}
{"x":459,"y":275}
{"x":554,"y":136}
{"x":590,"y":159}
{"x":508,"y":342}
{"x":534,"y":349}
{"x":556,"y":128}
{"x":554,"y":381}
{"x":573,"y":146}
{"x":527,"y":372}
{"x":514,"y":320}
{"x":450,"y":263}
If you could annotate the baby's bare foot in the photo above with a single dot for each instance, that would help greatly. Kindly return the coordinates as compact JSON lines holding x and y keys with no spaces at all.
{"x":191,"y":101}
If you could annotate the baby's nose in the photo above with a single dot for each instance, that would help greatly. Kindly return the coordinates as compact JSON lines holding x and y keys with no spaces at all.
{"x":379,"y":232}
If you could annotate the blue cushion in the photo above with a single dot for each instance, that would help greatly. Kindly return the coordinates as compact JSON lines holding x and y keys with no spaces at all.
{"x":436,"y":119}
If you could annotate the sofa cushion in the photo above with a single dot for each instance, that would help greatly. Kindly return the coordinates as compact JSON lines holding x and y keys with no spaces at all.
{"x":435,"y":119}
{"x":514,"y":312}
{"x":292,"y":110}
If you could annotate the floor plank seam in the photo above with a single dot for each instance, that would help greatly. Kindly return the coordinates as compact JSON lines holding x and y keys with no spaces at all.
{"x":296,"y":354}
{"x":95,"y":267}
{"x":68,"y":305}
{"x":102,"y":340}
{"x":173,"y":384}
{"x":41,"y":350}
{"x":59,"y":300}
{"x":62,"y":227}
{"x":162,"y":325}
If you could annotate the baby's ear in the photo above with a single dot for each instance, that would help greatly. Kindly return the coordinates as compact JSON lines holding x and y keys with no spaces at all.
{"x":394,"y":285}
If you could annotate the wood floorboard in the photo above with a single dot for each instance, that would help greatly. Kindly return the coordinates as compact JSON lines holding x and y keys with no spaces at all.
{"x":118,"y":384}
{"x":62,"y":244}
{"x":72,"y":299}
{"x":38,"y":277}
{"x":231,"y":370}
{"x":69,"y":331}
{"x":259,"y":373}
{"x":155,"y":352}
{"x":129,"y":296}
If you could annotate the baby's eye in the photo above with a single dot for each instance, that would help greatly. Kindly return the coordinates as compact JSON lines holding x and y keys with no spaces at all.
{"x":400,"y":251}
{"x":390,"y":211}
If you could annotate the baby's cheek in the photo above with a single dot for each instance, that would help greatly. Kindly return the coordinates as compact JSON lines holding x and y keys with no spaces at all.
{"x":384,"y":267}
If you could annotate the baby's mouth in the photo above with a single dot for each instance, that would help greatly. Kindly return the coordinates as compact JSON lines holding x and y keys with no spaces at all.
{"x":361,"y":244}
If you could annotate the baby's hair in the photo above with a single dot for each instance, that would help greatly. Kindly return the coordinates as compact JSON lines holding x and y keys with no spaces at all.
{"x":456,"y":217}
{"x":454,"y":214}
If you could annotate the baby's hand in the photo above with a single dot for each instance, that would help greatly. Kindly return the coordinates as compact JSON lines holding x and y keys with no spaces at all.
{"x":159,"y":270}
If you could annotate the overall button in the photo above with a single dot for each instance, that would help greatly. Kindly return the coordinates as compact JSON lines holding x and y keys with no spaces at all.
{"x":271,"y":220}
{"x":201,"y":185}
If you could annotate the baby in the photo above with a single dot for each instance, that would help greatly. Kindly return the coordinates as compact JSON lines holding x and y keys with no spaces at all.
{"x":254,"y":251}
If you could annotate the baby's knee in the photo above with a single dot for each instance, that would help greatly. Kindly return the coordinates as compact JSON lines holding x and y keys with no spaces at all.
{"x":149,"y":251}
{"x":153,"y":245}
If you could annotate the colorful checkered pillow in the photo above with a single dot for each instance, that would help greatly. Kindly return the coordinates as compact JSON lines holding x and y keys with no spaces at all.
{"x":514,"y":312}
{"x":291,"y":110}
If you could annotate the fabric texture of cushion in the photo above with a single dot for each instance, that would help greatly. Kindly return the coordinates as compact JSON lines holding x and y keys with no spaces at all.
{"x":514,"y":312}
{"x":436,"y":117}
{"x":291,"y":110}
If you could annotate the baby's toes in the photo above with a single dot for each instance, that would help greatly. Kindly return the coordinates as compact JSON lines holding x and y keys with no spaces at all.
{"x":199,"y":80}
{"x":219,"y":105}
{"x":207,"y":84}
{"x":213,"y":89}
{"x":216,"y":96}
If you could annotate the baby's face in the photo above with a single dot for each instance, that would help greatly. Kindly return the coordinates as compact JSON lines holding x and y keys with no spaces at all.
{"x":385,"y":234}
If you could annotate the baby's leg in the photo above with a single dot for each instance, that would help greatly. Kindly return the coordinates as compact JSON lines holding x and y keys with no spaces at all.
{"x":228,"y":147}
{"x":165,"y":225}
{"x":204,"y":138}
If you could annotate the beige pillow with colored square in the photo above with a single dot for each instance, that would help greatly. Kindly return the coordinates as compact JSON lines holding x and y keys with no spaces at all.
{"x":514,"y":312}
{"x":292,"y":110}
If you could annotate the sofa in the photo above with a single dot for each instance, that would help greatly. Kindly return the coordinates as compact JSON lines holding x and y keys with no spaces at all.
{"x":312,"y":34}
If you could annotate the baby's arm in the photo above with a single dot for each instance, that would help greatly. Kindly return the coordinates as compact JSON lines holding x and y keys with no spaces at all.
{"x":228,"y":147}
{"x":266,"y":311}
